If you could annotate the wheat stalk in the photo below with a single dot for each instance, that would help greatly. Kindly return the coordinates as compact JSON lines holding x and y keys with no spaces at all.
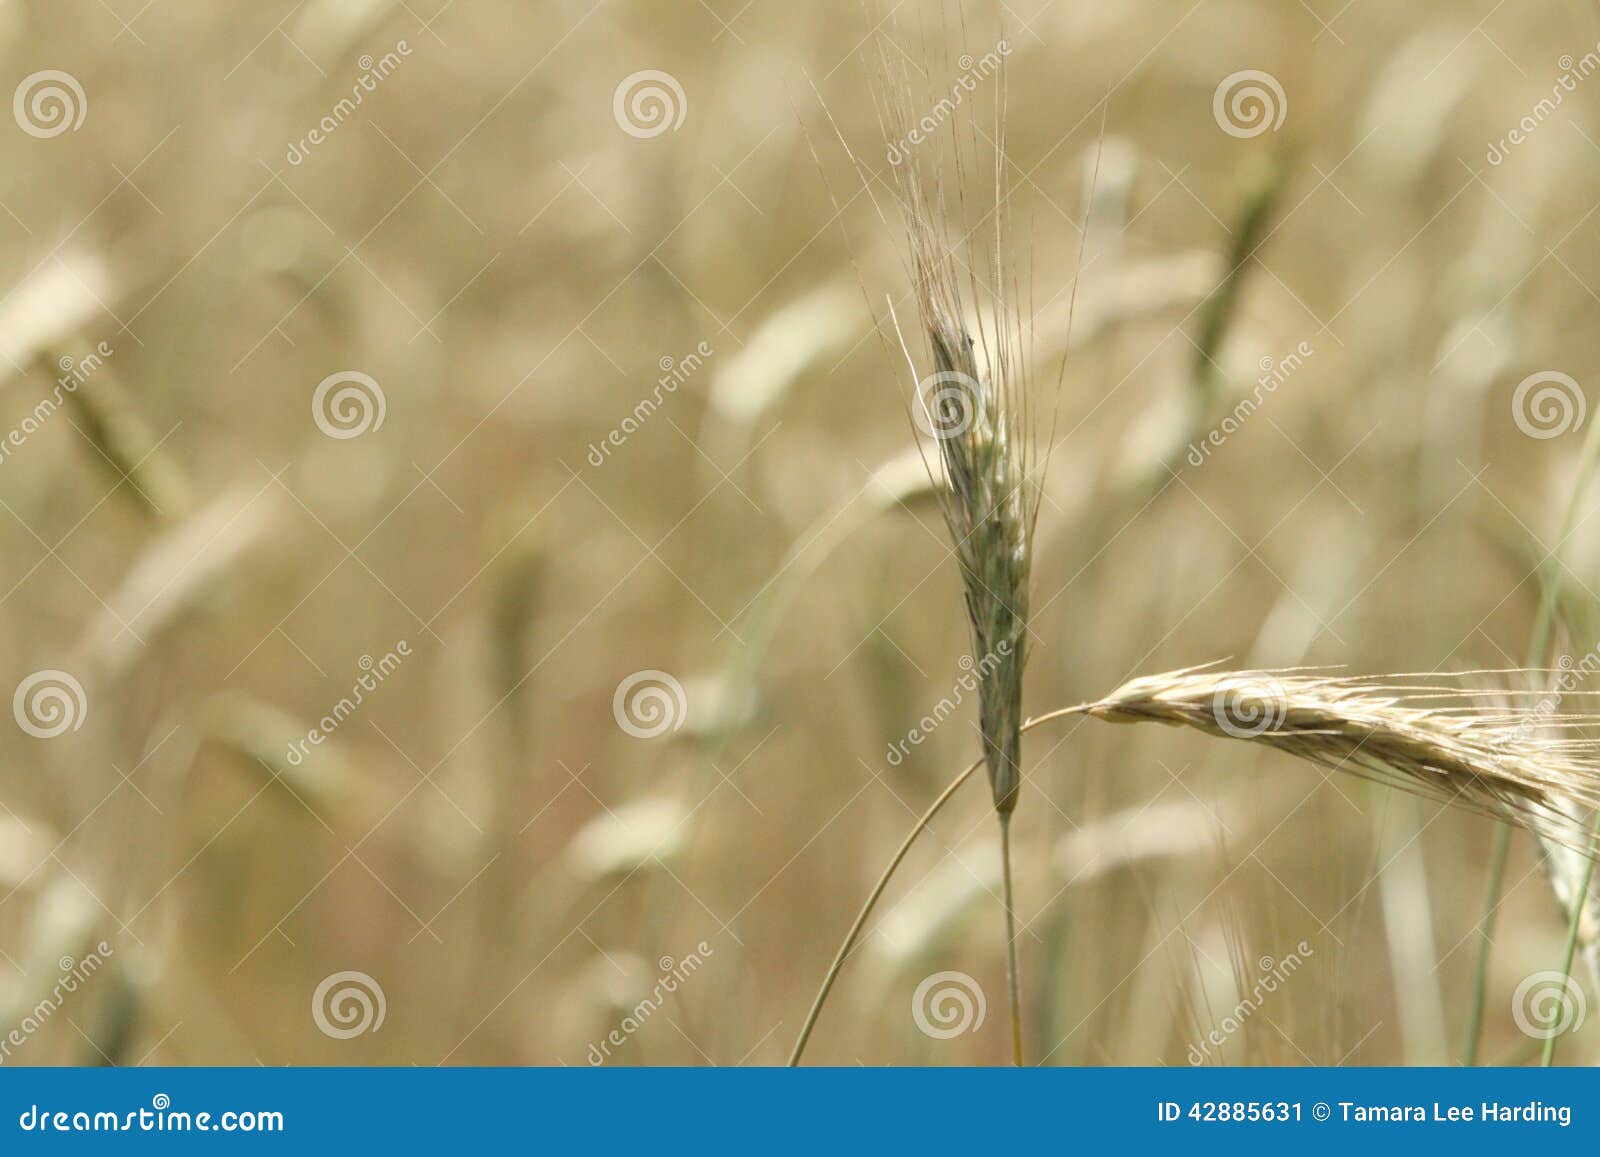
{"x":989,"y":505}
{"x":974,"y":408}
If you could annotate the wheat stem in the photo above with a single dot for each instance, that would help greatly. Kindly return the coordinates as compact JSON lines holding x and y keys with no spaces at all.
{"x":1580,"y":904}
{"x":1491,"y":909}
{"x":1538,"y":651}
{"x":1013,"y":973}
{"x":883,"y":882}
{"x":866,"y":910}
{"x":1544,"y":629}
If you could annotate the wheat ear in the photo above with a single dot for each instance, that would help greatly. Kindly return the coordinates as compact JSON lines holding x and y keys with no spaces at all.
{"x":974,"y":408}
{"x":1458,"y":745}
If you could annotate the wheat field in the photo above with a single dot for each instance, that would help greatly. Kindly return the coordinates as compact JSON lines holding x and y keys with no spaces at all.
{"x":476,"y":594}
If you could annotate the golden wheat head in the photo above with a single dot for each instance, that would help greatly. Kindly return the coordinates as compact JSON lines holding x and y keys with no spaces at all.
{"x":1462,"y":746}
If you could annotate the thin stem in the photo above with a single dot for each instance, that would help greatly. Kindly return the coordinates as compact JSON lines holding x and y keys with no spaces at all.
{"x":1580,"y":903}
{"x":1491,"y":909}
{"x":866,"y":910}
{"x":1013,"y":973}
{"x":1538,"y":652}
{"x":888,"y":872}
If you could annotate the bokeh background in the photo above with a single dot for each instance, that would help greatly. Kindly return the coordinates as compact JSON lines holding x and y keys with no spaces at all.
{"x":503,"y":848}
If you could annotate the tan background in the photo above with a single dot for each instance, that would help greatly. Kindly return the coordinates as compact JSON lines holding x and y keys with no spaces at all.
{"x":483,"y":238}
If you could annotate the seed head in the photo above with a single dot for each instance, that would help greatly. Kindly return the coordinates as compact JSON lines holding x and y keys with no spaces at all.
{"x":1450,"y":743}
{"x":986,"y":510}
{"x":972,"y":405}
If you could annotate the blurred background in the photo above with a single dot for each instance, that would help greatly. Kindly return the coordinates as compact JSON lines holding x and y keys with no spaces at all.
{"x":468,"y":600}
